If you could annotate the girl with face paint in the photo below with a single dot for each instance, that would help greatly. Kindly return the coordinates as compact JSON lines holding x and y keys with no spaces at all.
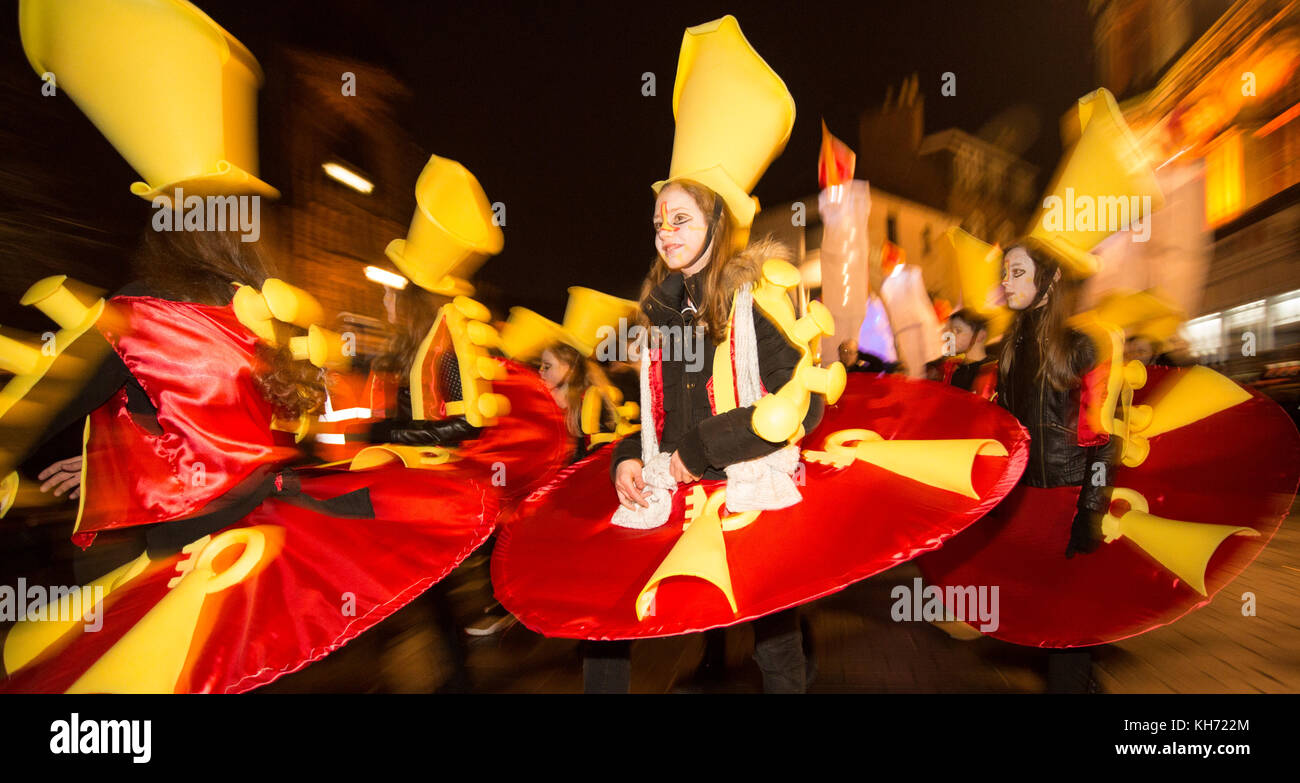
{"x":687,"y":297}
{"x":1044,"y":372}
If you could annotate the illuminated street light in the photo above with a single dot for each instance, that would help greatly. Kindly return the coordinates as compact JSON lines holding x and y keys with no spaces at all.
{"x":385,"y":278}
{"x":348,"y":177}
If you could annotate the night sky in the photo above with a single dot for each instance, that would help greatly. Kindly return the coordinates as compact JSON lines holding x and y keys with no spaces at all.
{"x":544,"y":104}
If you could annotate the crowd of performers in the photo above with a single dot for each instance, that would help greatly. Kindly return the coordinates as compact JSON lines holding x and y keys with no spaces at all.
{"x":717,"y":471}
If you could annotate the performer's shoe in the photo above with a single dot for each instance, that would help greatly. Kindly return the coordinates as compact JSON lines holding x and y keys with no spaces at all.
{"x":492,"y":622}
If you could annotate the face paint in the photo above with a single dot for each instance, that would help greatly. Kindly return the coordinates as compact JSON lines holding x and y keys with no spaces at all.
{"x":1018,"y":279}
{"x":552,"y":370}
{"x":680,"y":228}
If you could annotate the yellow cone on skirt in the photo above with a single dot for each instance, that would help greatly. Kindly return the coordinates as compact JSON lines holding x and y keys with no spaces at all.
{"x":170,"y":89}
{"x":452,"y":232}
{"x":1104,"y":184}
{"x":734,"y":116}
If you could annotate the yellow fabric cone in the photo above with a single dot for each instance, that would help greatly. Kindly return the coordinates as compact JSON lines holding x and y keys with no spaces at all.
{"x":150,"y":657}
{"x":701,"y":552}
{"x":291,"y":304}
{"x":26,"y":639}
{"x":411,"y":456}
{"x":452,"y":232}
{"x":588,"y":312}
{"x":979,"y":274}
{"x":945,"y":464}
{"x":1189,"y":396}
{"x":1094,"y":187}
{"x":1144,"y":313}
{"x":168,"y":87}
{"x":734,"y":115}
{"x":1184,"y":548}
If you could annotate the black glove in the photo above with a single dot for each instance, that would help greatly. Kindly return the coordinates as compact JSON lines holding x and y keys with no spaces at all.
{"x":1085,"y":532}
{"x":443,"y":432}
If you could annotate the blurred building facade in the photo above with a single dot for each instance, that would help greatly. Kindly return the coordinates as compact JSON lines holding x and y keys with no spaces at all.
{"x":920,"y":186}
{"x":1210,"y":90}
{"x":318,"y":110}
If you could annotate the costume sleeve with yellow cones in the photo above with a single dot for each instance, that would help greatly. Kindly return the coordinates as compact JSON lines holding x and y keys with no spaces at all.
{"x":46,"y":374}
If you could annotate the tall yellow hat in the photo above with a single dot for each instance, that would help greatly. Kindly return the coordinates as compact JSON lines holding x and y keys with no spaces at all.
{"x":1144,"y":313}
{"x":167,"y":86}
{"x":452,"y":232}
{"x":979,"y":273}
{"x":734,"y":116}
{"x":1103,"y":185}
{"x":588,"y":317}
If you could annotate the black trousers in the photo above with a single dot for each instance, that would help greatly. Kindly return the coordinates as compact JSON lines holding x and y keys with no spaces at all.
{"x":778,"y":651}
{"x":1069,"y":670}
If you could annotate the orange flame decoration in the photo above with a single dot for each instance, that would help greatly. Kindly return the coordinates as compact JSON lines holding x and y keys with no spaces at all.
{"x":836,"y":161}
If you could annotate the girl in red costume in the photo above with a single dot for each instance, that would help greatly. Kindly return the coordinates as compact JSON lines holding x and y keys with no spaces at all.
{"x":714,"y":520}
{"x":688,"y":295}
{"x":246,"y":568}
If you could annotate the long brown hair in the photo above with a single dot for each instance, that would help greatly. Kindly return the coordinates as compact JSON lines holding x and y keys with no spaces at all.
{"x":1047,"y":328}
{"x":201,"y":267}
{"x":713,"y":312}
{"x":583,"y":374}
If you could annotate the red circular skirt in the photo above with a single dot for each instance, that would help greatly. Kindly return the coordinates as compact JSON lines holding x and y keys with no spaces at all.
{"x":1240,"y":466}
{"x":564,"y":570}
{"x":321,"y":581}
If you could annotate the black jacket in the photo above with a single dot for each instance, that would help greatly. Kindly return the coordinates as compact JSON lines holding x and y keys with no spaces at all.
{"x":705,"y":442}
{"x":1052,"y":417}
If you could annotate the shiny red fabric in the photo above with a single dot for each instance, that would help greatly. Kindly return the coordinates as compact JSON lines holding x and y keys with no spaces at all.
{"x":526,"y":447}
{"x":329,"y":581}
{"x":197,"y":364}
{"x":1238,"y":467}
{"x":565,"y":571}
{"x":329,"y":578}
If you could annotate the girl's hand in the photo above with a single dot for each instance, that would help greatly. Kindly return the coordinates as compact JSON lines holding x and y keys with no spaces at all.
{"x":628,"y":483}
{"x":62,"y":476}
{"x":678,"y":470}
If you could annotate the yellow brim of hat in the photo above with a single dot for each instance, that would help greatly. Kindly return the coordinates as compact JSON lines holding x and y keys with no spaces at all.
{"x":452,"y":232}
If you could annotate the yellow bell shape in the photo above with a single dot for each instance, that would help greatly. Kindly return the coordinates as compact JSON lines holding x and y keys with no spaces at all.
{"x":979,"y":274}
{"x":168,"y":87}
{"x":1104,"y":184}
{"x":1184,"y":548}
{"x":734,"y":115}
{"x":452,"y":232}
{"x":1144,"y":313}
{"x":588,"y":317}
{"x":526,"y":334}
{"x":1187,"y":397}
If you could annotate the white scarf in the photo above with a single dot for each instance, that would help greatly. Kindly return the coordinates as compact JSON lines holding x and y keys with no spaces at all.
{"x":761,"y":484}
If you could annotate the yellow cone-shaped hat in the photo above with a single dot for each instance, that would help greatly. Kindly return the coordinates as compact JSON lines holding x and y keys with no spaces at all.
{"x":1144,"y":313}
{"x":167,"y":86}
{"x":452,"y":232}
{"x":979,"y":273}
{"x":1103,"y":185}
{"x":734,"y":115}
{"x":588,"y":317}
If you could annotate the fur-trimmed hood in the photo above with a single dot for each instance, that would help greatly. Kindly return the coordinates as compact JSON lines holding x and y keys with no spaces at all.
{"x":747,"y":266}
